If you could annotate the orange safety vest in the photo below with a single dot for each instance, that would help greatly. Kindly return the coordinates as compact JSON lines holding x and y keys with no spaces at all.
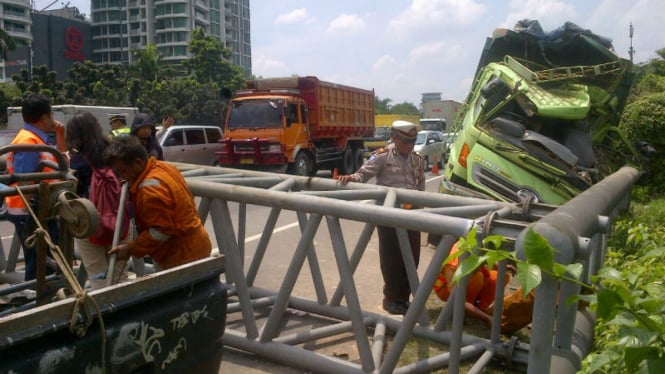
{"x":15,"y":204}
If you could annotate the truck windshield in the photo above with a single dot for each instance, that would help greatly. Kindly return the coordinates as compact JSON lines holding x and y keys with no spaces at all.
{"x":382,"y":133}
{"x":433,"y":124}
{"x":255,"y":114}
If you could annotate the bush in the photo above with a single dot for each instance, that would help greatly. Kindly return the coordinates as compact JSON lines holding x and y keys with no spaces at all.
{"x":644,"y":120}
{"x":630,"y":331}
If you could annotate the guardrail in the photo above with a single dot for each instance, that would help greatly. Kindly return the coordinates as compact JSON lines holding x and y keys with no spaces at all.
{"x":578,"y":230}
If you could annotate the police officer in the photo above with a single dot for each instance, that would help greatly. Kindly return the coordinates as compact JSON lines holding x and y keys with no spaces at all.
{"x":396,"y":165}
{"x":118,"y":123}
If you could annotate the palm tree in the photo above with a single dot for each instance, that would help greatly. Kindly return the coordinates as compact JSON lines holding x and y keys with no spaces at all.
{"x":7,"y":44}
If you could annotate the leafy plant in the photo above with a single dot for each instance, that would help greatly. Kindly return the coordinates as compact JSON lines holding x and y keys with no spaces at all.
{"x":539,"y":259}
{"x":630,"y":331}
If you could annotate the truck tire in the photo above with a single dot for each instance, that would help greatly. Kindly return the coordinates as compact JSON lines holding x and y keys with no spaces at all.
{"x":346,"y":164}
{"x":302,"y":166}
{"x":358,"y":158}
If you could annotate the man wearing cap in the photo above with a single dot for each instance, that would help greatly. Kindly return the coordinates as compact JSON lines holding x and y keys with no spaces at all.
{"x":396,"y":165}
{"x":144,"y":128}
{"x":118,"y":123}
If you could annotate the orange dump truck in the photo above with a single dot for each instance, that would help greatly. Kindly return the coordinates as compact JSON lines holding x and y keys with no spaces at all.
{"x":298,"y":125}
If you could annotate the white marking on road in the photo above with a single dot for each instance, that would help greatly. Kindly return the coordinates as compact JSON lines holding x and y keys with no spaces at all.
{"x":281,"y":228}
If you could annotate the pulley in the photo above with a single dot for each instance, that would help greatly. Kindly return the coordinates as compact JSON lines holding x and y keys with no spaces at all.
{"x":79,"y":214}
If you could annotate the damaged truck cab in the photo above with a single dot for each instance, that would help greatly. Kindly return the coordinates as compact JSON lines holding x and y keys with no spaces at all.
{"x":540,"y":121}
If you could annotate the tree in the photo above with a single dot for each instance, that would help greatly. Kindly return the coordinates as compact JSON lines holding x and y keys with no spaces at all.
{"x":147,"y":64}
{"x":405,"y":108}
{"x":210,"y":64}
{"x":91,"y":84}
{"x":42,"y":81}
{"x":381,"y":106}
{"x":7,"y":44}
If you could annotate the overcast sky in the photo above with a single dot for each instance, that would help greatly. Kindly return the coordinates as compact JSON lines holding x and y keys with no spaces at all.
{"x":403,"y":48}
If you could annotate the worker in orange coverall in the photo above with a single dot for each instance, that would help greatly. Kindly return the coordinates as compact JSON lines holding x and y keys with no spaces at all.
{"x":170,"y":230}
{"x":517,"y":310}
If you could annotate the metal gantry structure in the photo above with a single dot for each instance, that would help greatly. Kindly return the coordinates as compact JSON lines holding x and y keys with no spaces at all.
{"x":264,"y":302}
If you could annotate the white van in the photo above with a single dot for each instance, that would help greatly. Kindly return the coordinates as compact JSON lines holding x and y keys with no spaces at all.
{"x":191,"y":144}
{"x":63,"y":113}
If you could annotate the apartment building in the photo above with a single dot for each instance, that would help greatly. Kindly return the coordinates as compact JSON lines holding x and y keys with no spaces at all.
{"x":15,"y":20}
{"x":120,"y":27}
{"x":57,"y":38}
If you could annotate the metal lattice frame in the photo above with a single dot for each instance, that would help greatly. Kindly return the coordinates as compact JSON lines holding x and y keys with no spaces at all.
{"x":578,"y":230}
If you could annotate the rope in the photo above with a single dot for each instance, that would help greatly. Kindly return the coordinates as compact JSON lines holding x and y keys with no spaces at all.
{"x":82,"y":298}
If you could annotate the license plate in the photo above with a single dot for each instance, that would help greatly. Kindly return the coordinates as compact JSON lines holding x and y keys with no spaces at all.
{"x":246,"y":161}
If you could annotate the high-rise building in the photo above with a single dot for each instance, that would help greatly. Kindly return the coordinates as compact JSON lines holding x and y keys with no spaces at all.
{"x":15,"y":20}
{"x":120,"y":27}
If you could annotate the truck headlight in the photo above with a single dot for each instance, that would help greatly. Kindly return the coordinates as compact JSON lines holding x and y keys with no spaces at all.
{"x":274,"y":148}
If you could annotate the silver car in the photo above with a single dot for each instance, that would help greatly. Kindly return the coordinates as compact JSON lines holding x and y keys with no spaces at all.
{"x":191,"y":144}
{"x":430,"y":146}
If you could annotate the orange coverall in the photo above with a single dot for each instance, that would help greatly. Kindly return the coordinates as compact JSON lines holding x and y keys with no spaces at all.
{"x":170,"y":230}
{"x":517,"y":309}
{"x":479,"y":290}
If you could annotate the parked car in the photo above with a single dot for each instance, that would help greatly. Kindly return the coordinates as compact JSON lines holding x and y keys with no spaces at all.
{"x":191,"y":144}
{"x":429,"y":145}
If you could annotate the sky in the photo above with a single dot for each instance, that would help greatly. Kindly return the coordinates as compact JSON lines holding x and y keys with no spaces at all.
{"x":404,"y":48}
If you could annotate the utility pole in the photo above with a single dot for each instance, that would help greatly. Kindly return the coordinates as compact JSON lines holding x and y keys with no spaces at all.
{"x":631,"y":50}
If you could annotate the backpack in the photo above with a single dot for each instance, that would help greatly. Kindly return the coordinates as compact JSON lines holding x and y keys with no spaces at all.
{"x":105,"y":195}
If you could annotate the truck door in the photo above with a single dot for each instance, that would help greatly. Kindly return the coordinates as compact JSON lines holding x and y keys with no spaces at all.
{"x":296,"y":133}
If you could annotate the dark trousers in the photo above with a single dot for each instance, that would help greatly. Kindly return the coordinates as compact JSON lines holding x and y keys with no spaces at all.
{"x":30,"y":254}
{"x":396,"y":283}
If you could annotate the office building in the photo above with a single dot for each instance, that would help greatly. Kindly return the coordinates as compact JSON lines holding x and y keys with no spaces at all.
{"x":57,"y":38}
{"x":16,"y":21}
{"x":120,"y":27}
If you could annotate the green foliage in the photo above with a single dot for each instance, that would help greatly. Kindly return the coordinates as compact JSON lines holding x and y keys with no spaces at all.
{"x":626,"y":296}
{"x":644,"y":120}
{"x":41,"y":80}
{"x":210,"y":62}
{"x":7,"y":44}
{"x":630,"y":331}
{"x":405,"y":108}
{"x":9,"y":95}
{"x":383,"y":106}
{"x":147,"y":83}
{"x":146,"y":64}
{"x":539,"y":259}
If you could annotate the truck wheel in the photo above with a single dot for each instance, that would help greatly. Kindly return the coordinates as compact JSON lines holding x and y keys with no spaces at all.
{"x":346,"y":165}
{"x":358,"y":158}
{"x":302,"y":166}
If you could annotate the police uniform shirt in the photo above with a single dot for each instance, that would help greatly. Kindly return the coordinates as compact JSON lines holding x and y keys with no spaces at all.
{"x":393,"y":170}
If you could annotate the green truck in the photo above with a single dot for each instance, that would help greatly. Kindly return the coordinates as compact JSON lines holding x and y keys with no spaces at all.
{"x":541,"y":119}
